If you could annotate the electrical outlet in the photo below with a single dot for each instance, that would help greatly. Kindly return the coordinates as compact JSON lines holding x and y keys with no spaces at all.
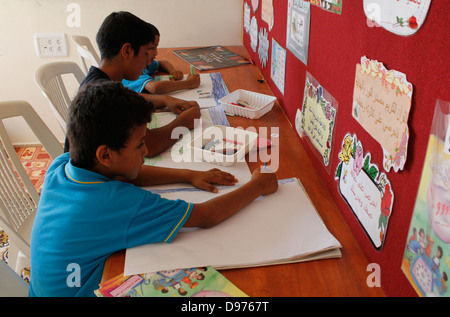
{"x":51,"y":45}
{"x":298,"y":122}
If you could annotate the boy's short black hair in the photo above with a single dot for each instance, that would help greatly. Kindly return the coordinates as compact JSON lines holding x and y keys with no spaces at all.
{"x":103,"y":113}
{"x":123,"y":27}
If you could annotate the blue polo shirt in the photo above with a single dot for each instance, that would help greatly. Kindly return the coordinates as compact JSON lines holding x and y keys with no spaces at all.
{"x":138,"y":85}
{"x":83,"y":217}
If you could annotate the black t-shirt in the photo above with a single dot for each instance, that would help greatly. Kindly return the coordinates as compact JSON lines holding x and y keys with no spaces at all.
{"x":94,"y":75}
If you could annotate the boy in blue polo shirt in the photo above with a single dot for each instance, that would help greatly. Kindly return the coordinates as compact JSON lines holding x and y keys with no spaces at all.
{"x":146,"y":83}
{"x":86,"y":213}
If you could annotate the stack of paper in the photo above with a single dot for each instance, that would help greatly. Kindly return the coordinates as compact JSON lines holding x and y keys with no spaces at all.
{"x":279,"y":228}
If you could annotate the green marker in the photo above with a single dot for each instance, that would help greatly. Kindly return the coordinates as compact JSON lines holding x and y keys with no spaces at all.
{"x":192,"y":69}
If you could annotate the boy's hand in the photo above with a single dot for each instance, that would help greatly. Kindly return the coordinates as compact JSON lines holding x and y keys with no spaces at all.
{"x":186,"y":118}
{"x":193,"y":80}
{"x":205,"y":180}
{"x":177,"y":74}
{"x":177,"y":106}
{"x":266,"y":179}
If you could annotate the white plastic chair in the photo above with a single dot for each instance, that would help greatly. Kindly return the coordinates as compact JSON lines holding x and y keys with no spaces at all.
{"x":18,"y":197}
{"x":49,"y":78}
{"x":11,"y":284}
{"x":86,"y":51}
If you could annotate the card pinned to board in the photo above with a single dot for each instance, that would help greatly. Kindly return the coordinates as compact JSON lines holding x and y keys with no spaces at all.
{"x":381,"y":104}
{"x":319,"y":110}
{"x":401,"y":17}
{"x":368,"y":192}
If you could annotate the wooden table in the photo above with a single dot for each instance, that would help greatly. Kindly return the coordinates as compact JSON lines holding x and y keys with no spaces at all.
{"x":345,"y":276}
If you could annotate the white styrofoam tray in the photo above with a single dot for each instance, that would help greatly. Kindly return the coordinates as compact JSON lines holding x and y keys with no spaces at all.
{"x":260,"y":103}
{"x":240,"y":140}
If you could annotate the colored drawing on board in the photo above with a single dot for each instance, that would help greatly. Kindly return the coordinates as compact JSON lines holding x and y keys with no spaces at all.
{"x":263,"y":47}
{"x":334,"y":6}
{"x":277,"y":72}
{"x":402,"y":17}
{"x":381,"y":104}
{"x":267,"y":12}
{"x":318,"y":117}
{"x":426,"y":260}
{"x":246,"y":17}
{"x":367,"y":191}
{"x":254,"y":34}
{"x":297,"y":32}
{"x":255,"y":5}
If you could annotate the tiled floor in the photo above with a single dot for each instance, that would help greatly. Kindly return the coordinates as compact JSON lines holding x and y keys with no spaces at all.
{"x":36,"y":162}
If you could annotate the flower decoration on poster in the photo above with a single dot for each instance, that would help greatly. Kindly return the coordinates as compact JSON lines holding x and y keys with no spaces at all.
{"x":402,"y":17}
{"x":381,"y":104}
{"x":367,"y":191}
{"x":426,"y":260}
{"x":318,"y":117}
{"x":263,"y":48}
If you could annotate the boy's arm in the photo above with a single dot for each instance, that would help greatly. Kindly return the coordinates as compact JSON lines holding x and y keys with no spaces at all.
{"x":216,"y":210}
{"x":175,"y":105}
{"x":154,"y":175}
{"x":160,"y":139}
{"x":165,"y":86}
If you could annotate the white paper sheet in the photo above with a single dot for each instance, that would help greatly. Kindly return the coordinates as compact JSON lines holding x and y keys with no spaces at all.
{"x":281,"y":227}
{"x":193,"y":94}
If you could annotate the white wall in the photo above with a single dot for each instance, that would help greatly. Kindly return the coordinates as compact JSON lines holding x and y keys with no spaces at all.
{"x":180,"y":22}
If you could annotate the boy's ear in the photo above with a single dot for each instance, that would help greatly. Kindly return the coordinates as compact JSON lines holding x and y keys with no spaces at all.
{"x":127,"y":51}
{"x":103,"y":155}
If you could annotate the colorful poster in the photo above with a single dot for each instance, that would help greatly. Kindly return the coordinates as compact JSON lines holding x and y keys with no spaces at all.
{"x":194,"y":282}
{"x":318,"y":117}
{"x":278,"y":65}
{"x":297,"y":33}
{"x":334,"y":6}
{"x":402,"y":17}
{"x":381,"y":104}
{"x":426,"y":261}
{"x":367,"y":191}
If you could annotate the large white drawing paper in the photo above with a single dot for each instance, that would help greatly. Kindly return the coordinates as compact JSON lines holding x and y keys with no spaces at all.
{"x":276,"y":228}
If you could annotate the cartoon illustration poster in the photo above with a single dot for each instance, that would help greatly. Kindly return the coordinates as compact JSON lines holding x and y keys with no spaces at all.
{"x":193,"y":282}
{"x":381,"y":104}
{"x":402,"y":17}
{"x":318,"y":117}
{"x":367,"y":191}
{"x":426,"y":261}
{"x":334,"y":6}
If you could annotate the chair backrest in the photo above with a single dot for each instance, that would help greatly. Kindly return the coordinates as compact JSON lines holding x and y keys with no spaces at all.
{"x":86,"y":51}
{"x":49,"y":78}
{"x":11,"y":284}
{"x":18,"y":197}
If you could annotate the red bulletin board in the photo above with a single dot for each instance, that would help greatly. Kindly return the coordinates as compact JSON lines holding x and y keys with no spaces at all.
{"x":336,"y":44}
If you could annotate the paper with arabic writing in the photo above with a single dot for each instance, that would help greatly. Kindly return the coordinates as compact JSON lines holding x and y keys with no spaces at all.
{"x":381,"y":104}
